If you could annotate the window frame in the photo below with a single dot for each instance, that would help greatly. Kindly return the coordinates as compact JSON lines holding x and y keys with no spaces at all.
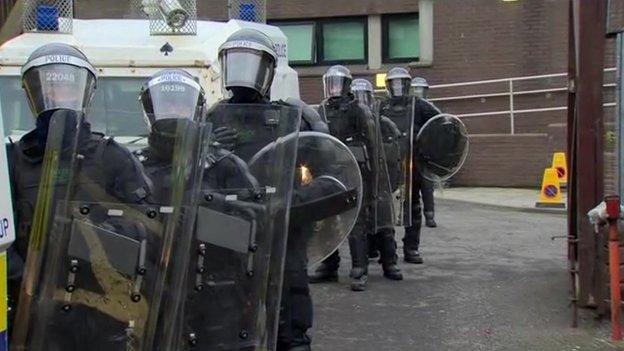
{"x":321,"y":40}
{"x":313,"y":40}
{"x":385,"y":37}
{"x":318,"y":40}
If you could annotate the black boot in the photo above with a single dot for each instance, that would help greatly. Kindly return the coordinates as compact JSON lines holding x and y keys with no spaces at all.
{"x":359,"y":279}
{"x":411,"y":241}
{"x":300,"y":348}
{"x":327,"y":271}
{"x":388,"y":254}
{"x":412,"y":256}
{"x":359,"y":259}
{"x":429,"y":220}
{"x":392,"y":272}
{"x":300,"y":342}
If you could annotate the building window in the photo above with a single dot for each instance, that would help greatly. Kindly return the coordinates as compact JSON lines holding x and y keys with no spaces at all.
{"x":344,"y":41}
{"x":326,"y":41}
{"x":301,"y":42}
{"x":401,"y":38}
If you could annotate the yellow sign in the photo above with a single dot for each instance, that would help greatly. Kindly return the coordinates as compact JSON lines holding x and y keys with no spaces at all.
{"x":4,"y":308}
{"x":561,"y":165}
{"x":380,"y":80}
{"x":550,"y":193}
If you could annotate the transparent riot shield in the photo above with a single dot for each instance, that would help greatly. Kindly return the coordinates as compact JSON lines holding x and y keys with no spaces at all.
{"x":403,"y":117}
{"x":387,"y":144}
{"x":106,"y":265}
{"x":442,"y":145}
{"x":237,"y":255}
{"x":327,"y":194}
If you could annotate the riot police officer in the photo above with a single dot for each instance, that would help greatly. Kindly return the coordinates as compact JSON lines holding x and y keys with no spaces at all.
{"x":354,"y":124}
{"x":60,"y":82}
{"x":396,"y":106}
{"x":172,"y":101}
{"x":387,"y":180}
{"x":420,"y":88}
{"x":248,"y":62}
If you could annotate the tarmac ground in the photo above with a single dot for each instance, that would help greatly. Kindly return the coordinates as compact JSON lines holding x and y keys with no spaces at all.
{"x":493,"y":279}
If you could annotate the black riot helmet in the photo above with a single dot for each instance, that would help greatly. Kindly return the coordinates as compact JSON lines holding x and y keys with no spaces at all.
{"x":248,"y":60}
{"x":58,"y":76}
{"x":170,"y":97}
{"x":419,"y":87}
{"x":364,"y":92}
{"x":337,"y":81}
{"x":398,"y":82}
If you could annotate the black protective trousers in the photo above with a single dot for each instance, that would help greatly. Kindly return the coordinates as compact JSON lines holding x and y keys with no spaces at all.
{"x":296,"y":313}
{"x":411,"y":240}
{"x":427,"y":196}
{"x":358,"y":243}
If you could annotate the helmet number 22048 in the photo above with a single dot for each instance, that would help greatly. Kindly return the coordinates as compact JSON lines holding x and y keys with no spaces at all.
{"x":59,"y":77}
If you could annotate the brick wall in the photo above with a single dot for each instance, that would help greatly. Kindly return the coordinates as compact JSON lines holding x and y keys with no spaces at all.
{"x":494,"y":160}
{"x":473,"y":39}
{"x":483,"y":39}
{"x":290,"y":9}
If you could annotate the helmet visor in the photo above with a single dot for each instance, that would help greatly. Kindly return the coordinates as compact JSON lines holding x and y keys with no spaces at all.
{"x":419,"y":91}
{"x":364,"y":97}
{"x":398,"y":87}
{"x":172,"y":97}
{"x":247,"y":68}
{"x":58,"y":86}
{"x":335,"y":86}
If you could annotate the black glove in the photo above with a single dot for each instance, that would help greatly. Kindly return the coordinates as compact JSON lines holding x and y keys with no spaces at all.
{"x":226,"y":136}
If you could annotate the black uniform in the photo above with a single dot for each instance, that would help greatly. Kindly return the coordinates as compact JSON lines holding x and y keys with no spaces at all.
{"x":427,"y":198}
{"x":423,"y":111}
{"x":353,"y":124}
{"x":296,"y":303}
{"x":106,"y":165}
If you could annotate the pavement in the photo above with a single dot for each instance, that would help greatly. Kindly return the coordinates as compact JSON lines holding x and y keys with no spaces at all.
{"x":493,"y":279}
{"x":498,"y":198}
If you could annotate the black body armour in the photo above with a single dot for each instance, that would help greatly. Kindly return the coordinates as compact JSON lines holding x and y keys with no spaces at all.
{"x":105,"y":163}
{"x":354,"y":126}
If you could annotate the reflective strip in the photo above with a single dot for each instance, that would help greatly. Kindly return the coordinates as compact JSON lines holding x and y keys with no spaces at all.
{"x":419,"y":83}
{"x":337,"y":74}
{"x":398,"y":76}
{"x":59,"y":59}
{"x":174,"y":78}
{"x":361,"y":87}
{"x":115,"y":213}
{"x":246,"y":44}
{"x":166,"y":209}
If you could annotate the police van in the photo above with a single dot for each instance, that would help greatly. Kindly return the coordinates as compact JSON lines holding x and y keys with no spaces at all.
{"x":125,"y":55}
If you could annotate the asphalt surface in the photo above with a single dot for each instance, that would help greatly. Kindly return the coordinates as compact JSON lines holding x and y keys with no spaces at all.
{"x":492,"y":280}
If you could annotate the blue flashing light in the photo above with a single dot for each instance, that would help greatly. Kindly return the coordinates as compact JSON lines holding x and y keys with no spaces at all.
{"x":247,"y":12}
{"x":47,"y":18}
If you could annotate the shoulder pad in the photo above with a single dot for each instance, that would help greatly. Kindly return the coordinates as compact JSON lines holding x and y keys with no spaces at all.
{"x":309,"y":116}
{"x":432,"y":109}
{"x":390,"y":126}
